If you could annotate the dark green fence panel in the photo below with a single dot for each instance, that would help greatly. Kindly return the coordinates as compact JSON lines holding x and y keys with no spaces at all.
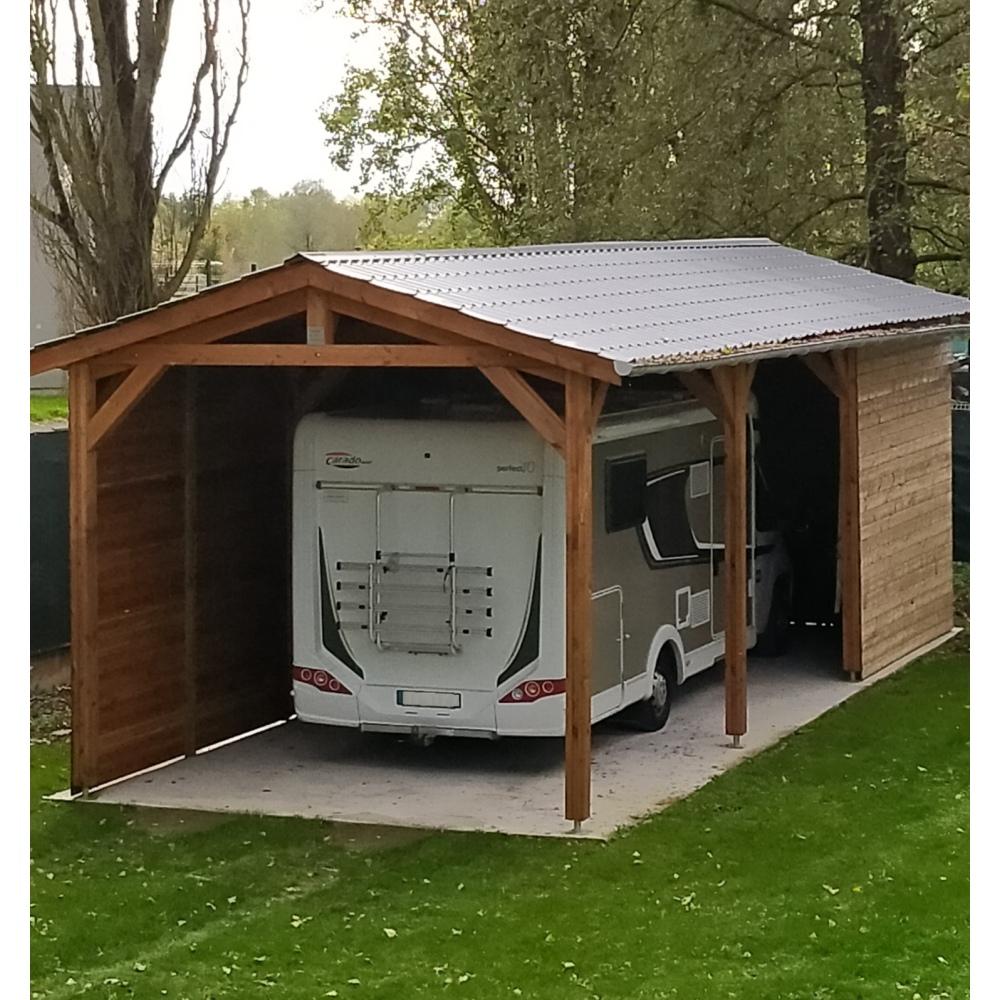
{"x":960,"y":461}
{"x":49,"y":541}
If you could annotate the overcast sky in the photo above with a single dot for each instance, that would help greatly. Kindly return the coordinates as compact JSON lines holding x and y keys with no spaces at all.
{"x":297,"y":60}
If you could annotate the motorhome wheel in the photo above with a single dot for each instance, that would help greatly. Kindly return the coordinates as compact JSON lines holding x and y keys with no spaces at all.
{"x":652,"y":714}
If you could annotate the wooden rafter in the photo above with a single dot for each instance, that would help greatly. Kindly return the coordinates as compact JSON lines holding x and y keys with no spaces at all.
{"x":530,"y":405}
{"x":141,"y":379}
{"x":209,"y":306}
{"x":579,"y":572}
{"x":321,"y":355}
{"x":350,"y":293}
{"x":190,"y":320}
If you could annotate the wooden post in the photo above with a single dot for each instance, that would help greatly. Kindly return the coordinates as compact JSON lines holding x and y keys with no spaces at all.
{"x":83,"y":576}
{"x":846,"y":366}
{"x":579,"y":557}
{"x":320,"y":319}
{"x":733,"y":386}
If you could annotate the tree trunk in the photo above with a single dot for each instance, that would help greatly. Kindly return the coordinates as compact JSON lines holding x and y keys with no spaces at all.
{"x":883,"y":77}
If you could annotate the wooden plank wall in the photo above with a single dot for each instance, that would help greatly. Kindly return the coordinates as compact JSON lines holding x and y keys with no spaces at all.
{"x":904,"y":454}
{"x":137,"y":665}
{"x":193,"y":618}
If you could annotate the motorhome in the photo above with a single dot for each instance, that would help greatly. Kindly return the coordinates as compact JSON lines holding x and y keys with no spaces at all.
{"x":429,"y":579}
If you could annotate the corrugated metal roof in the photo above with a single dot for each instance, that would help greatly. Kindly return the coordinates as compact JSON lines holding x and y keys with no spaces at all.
{"x":655,"y":305}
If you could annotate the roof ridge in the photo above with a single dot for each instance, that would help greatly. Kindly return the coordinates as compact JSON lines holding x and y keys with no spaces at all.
{"x":531,"y":249}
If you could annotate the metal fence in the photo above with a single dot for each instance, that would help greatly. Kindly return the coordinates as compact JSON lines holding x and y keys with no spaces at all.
{"x":49,"y":541}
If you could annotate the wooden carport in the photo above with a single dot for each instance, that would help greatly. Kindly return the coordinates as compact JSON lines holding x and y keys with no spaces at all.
{"x":180,"y":425}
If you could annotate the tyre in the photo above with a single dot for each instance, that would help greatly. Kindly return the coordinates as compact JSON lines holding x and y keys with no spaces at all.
{"x":651,"y":715}
{"x":773,"y":641}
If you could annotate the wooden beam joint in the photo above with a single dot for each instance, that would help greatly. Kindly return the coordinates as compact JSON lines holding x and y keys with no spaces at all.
{"x":530,"y":405}
{"x":321,"y":320}
{"x":141,"y":379}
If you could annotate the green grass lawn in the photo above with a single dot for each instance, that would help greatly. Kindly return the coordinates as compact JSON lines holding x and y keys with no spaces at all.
{"x":49,"y":408}
{"x":834,"y":865}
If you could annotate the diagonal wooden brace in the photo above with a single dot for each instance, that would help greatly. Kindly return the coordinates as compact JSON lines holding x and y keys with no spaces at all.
{"x":139,"y":381}
{"x":530,"y":405}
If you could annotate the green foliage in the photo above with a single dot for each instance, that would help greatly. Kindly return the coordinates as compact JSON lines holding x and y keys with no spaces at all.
{"x":616,"y":119}
{"x":835,"y":865}
{"x":49,"y":408}
{"x":265,"y":229}
{"x":399,"y":224}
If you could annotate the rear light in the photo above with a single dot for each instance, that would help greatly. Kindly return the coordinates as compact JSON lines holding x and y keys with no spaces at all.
{"x":319,"y":679}
{"x":529,"y":691}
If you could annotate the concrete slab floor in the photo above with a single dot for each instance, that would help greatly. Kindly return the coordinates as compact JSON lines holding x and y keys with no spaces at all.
{"x":513,"y":785}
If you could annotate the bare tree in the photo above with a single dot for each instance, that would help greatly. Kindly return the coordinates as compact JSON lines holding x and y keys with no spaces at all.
{"x":105,"y":174}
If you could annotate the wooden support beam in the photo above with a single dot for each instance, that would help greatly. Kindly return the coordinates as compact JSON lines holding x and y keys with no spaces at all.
{"x":320,"y":318}
{"x":83,"y":577}
{"x":530,"y":405}
{"x":701,"y":386}
{"x":845,"y":368}
{"x":323,"y":355}
{"x":579,"y":568}
{"x":823,"y":368}
{"x":732,"y":383}
{"x":432,"y":335}
{"x":142,"y":378}
{"x":597,"y":403}
{"x":849,"y":548}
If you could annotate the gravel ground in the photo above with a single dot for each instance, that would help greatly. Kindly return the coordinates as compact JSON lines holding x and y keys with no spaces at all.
{"x":50,"y":715}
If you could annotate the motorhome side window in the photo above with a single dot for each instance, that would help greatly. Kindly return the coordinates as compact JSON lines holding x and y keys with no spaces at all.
{"x":624,"y":492}
{"x":668,"y":531}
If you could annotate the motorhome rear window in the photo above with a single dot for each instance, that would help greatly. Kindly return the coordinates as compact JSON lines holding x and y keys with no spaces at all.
{"x":624,"y":492}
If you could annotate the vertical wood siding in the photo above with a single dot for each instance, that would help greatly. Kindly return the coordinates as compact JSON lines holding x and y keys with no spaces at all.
{"x":904,"y":457}
{"x":136,"y":667}
{"x":192,"y":619}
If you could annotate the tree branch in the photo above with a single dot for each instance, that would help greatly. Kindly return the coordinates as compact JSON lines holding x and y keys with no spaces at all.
{"x":785,"y":31}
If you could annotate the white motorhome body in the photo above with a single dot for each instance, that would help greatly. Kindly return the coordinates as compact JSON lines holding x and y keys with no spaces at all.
{"x":429,"y":580}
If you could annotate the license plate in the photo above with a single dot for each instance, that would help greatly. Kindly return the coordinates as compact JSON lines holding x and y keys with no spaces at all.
{"x":429,"y":699}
